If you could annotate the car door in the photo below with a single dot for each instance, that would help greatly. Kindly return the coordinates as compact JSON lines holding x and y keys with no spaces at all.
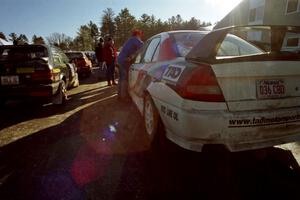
{"x":137,"y":73}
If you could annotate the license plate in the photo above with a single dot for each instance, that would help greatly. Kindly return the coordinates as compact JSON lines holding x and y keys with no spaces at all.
{"x":270,"y":89}
{"x":9,"y":80}
{"x":25,"y":70}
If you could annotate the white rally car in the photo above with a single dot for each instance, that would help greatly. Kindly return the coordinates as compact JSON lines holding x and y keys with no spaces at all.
{"x":238,"y":87}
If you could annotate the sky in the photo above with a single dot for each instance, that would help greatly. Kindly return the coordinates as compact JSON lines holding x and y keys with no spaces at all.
{"x":43,"y":17}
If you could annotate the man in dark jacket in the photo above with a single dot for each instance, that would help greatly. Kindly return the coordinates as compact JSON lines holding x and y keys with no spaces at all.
{"x":109,"y":57}
{"x":99,"y":55}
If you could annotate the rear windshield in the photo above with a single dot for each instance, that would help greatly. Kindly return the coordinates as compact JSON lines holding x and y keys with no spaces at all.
{"x":259,"y":41}
{"x":263,"y":41}
{"x":237,"y":46}
{"x":184,"y":42}
{"x":23,"y":53}
{"x":74,"y":55}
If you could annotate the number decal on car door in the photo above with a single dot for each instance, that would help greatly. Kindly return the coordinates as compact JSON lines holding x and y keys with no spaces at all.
{"x":173,"y":72}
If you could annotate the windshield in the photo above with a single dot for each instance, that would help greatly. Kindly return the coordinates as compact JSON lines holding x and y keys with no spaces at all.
{"x":22,"y":53}
{"x":74,"y":55}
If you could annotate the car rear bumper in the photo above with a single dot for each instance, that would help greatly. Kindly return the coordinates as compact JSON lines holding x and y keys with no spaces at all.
{"x":23,"y":91}
{"x":192,"y":129}
{"x":85,"y":69}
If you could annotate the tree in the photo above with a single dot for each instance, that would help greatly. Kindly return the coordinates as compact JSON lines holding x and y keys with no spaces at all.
{"x":95,"y":34}
{"x":84,"y":40}
{"x":2,"y":36}
{"x":175,"y":22}
{"x":22,"y":39}
{"x":38,"y":40}
{"x":60,"y":40}
{"x":192,"y":24}
{"x":108,"y":26}
{"x":13,"y":37}
{"x":125,"y":23}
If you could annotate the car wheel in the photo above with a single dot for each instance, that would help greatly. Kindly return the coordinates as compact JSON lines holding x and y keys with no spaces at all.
{"x":151,"y":117}
{"x":62,"y":96}
{"x":153,"y":124}
{"x":76,"y":81}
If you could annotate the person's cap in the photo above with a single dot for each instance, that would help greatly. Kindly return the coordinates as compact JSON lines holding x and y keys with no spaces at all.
{"x":137,"y":32}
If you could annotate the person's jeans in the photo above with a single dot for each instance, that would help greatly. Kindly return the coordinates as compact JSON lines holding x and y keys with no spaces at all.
{"x":123,"y":81}
{"x":110,"y":73}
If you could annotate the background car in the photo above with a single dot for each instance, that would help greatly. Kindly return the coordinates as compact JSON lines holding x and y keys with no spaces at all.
{"x":92,"y":56}
{"x":221,"y":90}
{"x":35,"y":71}
{"x":81,"y":61}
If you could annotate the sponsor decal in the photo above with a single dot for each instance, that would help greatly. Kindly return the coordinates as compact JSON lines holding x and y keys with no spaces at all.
{"x":170,"y":113}
{"x":173,"y":72}
{"x":263,"y":121}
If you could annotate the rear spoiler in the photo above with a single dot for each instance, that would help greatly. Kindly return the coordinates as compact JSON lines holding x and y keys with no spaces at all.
{"x":206,"y":49}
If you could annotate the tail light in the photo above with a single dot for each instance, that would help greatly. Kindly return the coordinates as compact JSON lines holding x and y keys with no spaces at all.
{"x":46,"y":75}
{"x":200,"y":84}
{"x":80,"y":61}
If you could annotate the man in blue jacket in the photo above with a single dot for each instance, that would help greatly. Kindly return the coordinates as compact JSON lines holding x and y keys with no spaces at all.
{"x":125,"y":59}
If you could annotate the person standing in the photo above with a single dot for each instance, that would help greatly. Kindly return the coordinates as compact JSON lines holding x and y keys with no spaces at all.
{"x":109,"y":57}
{"x":99,"y":54}
{"x":125,"y":59}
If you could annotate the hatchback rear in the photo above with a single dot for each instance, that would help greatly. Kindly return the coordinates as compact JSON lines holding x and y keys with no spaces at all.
{"x":27,"y":72}
{"x":81,"y":61}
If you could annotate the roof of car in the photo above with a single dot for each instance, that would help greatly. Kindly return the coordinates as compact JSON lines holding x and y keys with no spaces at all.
{"x":187,"y":31}
{"x":180,"y":31}
{"x":24,"y":45}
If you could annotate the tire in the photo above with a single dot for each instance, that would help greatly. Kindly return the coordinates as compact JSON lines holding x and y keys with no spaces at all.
{"x":62,"y":96}
{"x":75,"y":82}
{"x":63,"y":91}
{"x":153,"y":124}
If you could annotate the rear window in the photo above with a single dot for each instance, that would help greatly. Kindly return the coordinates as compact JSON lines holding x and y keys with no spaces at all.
{"x":246,"y":42}
{"x":184,"y":42}
{"x":74,"y":55}
{"x":23,"y":53}
{"x":236,"y":46}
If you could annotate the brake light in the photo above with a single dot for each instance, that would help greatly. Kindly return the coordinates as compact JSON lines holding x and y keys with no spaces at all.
{"x":201,"y":85}
{"x":80,"y":61}
{"x":52,"y":75}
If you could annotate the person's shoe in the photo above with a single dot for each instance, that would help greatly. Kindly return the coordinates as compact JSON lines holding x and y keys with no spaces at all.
{"x":109,"y":83}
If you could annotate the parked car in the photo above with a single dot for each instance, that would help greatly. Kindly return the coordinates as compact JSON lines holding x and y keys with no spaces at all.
{"x":35,"y":71}
{"x":92,"y":56}
{"x":218,"y":88}
{"x":81,"y":61}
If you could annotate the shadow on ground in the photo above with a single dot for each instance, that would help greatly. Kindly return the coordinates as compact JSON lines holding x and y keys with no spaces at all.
{"x":20,"y":111}
{"x":102,"y":152}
